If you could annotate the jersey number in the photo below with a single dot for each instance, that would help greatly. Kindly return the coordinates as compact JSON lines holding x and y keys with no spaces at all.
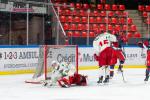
{"x":101,"y":43}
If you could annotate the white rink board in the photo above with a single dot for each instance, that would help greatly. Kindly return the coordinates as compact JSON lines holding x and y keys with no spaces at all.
{"x":18,"y":58}
{"x":24,"y":58}
{"x":134,"y":56}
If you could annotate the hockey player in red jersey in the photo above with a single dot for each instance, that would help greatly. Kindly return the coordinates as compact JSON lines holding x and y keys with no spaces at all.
{"x":118,"y":54}
{"x":146,"y":45}
{"x":104,"y":54}
{"x":76,"y":79}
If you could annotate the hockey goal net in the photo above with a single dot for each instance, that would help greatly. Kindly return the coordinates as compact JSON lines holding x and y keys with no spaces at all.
{"x":49,"y":53}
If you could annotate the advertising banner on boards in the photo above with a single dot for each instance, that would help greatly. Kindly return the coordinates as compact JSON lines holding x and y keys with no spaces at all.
{"x":26,"y":58}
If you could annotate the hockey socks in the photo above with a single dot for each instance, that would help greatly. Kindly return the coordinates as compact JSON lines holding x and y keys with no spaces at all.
{"x":147,"y":74}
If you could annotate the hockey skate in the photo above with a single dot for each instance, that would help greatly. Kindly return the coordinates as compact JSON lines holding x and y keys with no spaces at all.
{"x":106,"y":79}
{"x":146,"y":78}
{"x":100,"y":80}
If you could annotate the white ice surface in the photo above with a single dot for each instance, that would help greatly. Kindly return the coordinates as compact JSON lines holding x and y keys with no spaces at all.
{"x":12,"y":87}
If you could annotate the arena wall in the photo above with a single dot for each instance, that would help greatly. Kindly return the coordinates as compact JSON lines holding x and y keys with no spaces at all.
{"x":24,"y":59}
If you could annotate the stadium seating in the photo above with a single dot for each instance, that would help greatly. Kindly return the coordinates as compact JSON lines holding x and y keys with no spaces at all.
{"x":105,"y":17}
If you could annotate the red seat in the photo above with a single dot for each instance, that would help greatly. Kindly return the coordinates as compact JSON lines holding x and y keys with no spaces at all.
{"x":69,"y":33}
{"x":95,"y":13}
{"x":125,"y":28}
{"x":100,"y":7}
{"x":107,"y":7}
{"x":63,"y":18}
{"x":147,"y":8}
{"x":85,"y":6}
{"x":67,"y":12}
{"x":133,"y":28}
{"x":114,"y":7}
{"x":82,"y":12}
{"x":122,"y":21}
{"x":129,"y":35}
{"x":103,"y":13}
{"x":92,"y":34}
{"x":117,"y":28}
{"x":74,"y":12}
{"x":73,"y":27}
{"x":84,"y":34}
{"x":102,"y":27}
{"x":110,"y":27}
{"x":70,"y":19}
{"x":95,"y":27}
{"x":148,"y":21}
{"x":78,"y":5}
{"x":77,"y":19}
{"x":125,"y":14}
{"x":87,"y":26}
{"x":76,"y":34}
{"x":121,"y":7}
{"x":137,"y":35}
{"x":66,"y":26}
{"x":84,"y":20}
{"x":118,"y":13}
{"x":61,"y":12}
{"x":98,"y":19}
{"x":141,"y":7}
{"x":92,"y":20}
{"x":111,"y":14}
{"x":129,"y":20}
{"x":106,"y":20}
{"x":114,"y":20}
{"x":80,"y":27}
{"x":145,"y":14}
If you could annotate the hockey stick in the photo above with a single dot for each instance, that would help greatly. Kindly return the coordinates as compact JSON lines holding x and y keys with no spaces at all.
{"x":123,"y":77}
{"x":122,"y":74}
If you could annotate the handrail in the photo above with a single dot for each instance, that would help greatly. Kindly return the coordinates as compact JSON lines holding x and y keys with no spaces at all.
{"x":57,"y":16}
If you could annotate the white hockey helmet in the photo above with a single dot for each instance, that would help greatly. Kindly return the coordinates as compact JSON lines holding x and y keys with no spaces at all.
{"x":54,"y":64}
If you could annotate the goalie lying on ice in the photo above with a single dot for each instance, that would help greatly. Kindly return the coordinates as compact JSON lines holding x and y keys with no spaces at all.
{"x":65,"y":75}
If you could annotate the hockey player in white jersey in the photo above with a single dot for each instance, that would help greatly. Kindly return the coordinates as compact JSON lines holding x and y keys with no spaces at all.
{"x":64,"y":74}
{"x":104,"y":53}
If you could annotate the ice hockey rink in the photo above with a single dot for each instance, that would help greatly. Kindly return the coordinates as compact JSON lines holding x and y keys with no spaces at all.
{"x":12,"y":87}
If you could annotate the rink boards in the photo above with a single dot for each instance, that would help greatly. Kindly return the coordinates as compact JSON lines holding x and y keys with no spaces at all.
{"x":24,"y":59}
